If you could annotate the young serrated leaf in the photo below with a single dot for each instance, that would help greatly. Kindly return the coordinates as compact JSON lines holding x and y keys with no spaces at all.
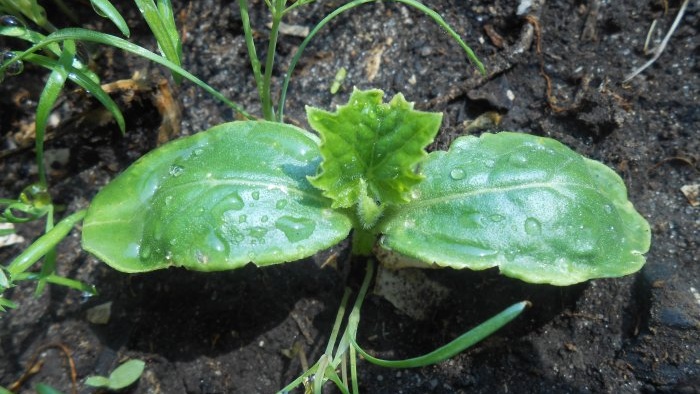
{"x":528,"y":205}
{"x":217,"y":200}
{"x":370,"y":150}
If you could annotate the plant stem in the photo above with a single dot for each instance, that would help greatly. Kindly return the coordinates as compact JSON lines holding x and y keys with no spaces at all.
{"x":250,"y":44}
{"x":362,"y":241}
{"x":44,"y":244}
{"x":277,"y":13}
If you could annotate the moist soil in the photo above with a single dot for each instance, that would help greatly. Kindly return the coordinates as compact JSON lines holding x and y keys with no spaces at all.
{"x":231,"y":332}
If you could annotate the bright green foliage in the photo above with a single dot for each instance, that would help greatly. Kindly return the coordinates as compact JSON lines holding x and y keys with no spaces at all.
{"x":125,"y":375}
{"x":527,"y":204}
{"x":105,"y":9}
{"x":370,"y":150}
{"x":243,"y":192}
{"x":217,"y":200}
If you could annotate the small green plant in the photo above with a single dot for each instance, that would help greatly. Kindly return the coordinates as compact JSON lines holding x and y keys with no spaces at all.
{"x":123,"y":376}
{"x":528,"y":205}
{"x":265,"y":192}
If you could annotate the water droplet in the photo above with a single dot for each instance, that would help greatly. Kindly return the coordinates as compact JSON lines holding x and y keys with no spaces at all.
{"x":145,"y":252}
{"x":169,"y":255}
{"x":295,"y":229}
{"x":457,"y":174}
{"x":518,"y":160}
{"x":242,"y":219}
{"x":608,"y":208}
{"x":281,"y":204}
{"x":14,"y":68}
{"x":176,"y":170}
{"x":255,"y":195}
{"x":10,"y":21}
{"x":257,"y":232}
{"x":201,"y":257}
{"x":490,"y":163}
{"x":216,"y":242}
{"x":496,"y":218}
{"x":264,"y":219}
{"x":132,"y":250}
{"x":231,"y":202}
{"x":533,"y":226}
{"x":173,"y":242}
{"x":415,"y":194}
{"x":168,"y":200}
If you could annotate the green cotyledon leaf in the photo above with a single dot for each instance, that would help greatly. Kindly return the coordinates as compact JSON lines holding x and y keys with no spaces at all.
{"x":217,"y":200}
{"x":529,"y":205}
{"x":370,"y":150}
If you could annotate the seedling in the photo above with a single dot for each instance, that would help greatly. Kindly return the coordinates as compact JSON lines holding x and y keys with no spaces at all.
{"x":123,"y":376}
{"x":268,"y":193}
{"x":265,"y":192}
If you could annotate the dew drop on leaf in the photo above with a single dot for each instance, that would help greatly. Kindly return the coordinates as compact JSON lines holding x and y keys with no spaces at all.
{"x":168,"y":200}
{"x":242,"y":219}
{"x":232,"y":202}
{"x":15,"y":67}
{"x":490,"y":163}
{"x":215,"y":242}
{"x":457,"y":174}
{"x":281,"y":204}
{"x":496,"y":218}
{"x":608,"y":208}
{"x":10,"y":21}
{"x":145,"y":252}
{"x":176,"y":170}
{"x":264,"y":219}
{"x":132,"y":251}
{"x":258,"y":232}
{"x":295,"y":229}
{"x":255,"y":195}
{"x":198,"y":151}
{"x":533,"y":226}
{"x":518,"y":160}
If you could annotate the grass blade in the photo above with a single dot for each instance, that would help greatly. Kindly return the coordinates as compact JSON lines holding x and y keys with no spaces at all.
{"x":83,"y":80}
{"x":105,"y":9}
{"x":165,"y":32}
{"x":413,"y":3}
{"x":106,"y":39}
{"x":463,"y":342}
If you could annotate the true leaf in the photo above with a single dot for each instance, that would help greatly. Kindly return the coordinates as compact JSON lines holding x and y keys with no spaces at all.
{"x":529,"y":205}
{"x":217,"y":200}
{"x":370,"y":150}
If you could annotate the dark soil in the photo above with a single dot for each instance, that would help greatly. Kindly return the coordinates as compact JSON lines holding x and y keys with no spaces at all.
{"x":225,"y":332}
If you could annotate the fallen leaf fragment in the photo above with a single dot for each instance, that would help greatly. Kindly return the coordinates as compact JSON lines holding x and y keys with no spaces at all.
{"x":692,"y":193}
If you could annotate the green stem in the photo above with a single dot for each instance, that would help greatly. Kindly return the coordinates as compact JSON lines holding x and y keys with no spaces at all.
{"x":44,"y":244}
{"x":250,"y":44}
{"x":363,"y":241}
{"x":277,"y":13}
